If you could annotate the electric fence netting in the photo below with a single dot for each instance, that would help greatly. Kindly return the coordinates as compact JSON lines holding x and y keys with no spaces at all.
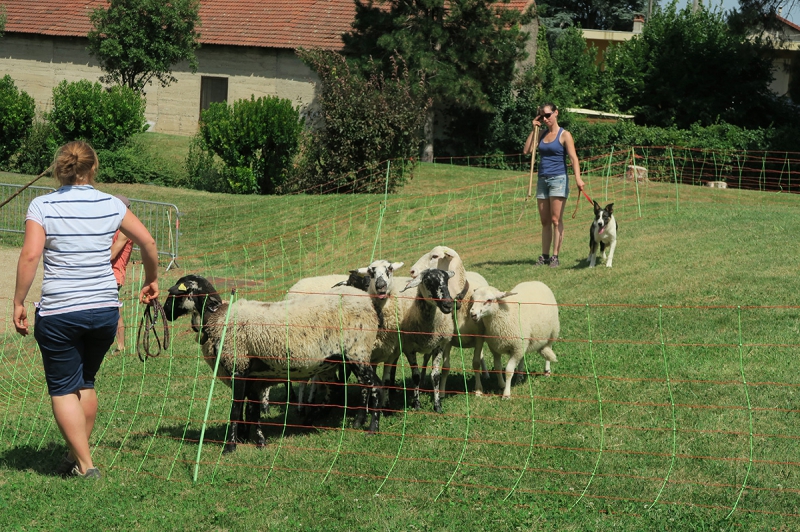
{"x":653,"y":402}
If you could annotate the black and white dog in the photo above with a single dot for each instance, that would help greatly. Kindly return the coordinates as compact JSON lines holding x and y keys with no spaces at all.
{"x":603,"y":232}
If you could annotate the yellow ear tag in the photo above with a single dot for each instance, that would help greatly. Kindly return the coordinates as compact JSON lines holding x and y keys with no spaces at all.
{"x":181,"y":286}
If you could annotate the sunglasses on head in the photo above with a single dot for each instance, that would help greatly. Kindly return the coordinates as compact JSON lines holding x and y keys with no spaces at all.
{"x":546,"y":115}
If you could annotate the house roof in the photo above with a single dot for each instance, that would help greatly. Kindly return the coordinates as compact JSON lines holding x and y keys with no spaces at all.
{"x":260,"y":23}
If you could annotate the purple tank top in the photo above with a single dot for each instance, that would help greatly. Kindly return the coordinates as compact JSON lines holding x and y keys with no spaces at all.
{"x":553,"y":161}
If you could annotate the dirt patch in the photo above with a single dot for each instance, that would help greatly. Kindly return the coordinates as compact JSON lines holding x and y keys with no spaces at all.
{"x":8,"y":281}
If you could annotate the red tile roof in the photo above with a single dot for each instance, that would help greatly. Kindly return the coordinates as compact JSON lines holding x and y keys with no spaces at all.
{"x":259,"y":23}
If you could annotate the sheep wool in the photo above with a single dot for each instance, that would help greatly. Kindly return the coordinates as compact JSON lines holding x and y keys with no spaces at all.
{"x":296,"y":339}
{"x":520,"y":321}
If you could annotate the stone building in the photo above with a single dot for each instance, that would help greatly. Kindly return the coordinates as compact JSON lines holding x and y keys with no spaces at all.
{"x":247,"y":48}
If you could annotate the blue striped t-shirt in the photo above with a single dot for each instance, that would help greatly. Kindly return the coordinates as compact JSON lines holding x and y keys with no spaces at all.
{"x":79,"y":223}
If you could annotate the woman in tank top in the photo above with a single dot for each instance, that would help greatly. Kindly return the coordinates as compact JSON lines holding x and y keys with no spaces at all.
{"x":552,"y":188}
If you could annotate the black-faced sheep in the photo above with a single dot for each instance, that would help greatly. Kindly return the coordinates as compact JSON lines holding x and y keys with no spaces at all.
{"x":427,"y":328}
{"x":295,"y":339}
{"x":467,"y":333}
{"x":522,"y":320}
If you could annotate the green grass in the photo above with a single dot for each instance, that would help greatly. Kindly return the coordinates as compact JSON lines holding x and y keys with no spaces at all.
{"x":648,"y":387}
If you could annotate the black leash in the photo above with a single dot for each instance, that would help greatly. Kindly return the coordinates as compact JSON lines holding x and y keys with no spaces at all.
{"x":152,"y":312}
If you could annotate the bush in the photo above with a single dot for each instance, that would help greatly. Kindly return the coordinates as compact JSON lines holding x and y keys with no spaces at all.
{"x":17,"y":110}
{"x":206,"y":170}
{"x":105,"y":118}
{"x":133,"y":162}
{"x":255,"y":138}
{"x":365,"y":121}
{"x":38,"y":149}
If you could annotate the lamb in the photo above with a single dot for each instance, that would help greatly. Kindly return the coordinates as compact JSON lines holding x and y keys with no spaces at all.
{"x":297,"y":338}
{"x":467,"y":332}
{"x":523,"y":320}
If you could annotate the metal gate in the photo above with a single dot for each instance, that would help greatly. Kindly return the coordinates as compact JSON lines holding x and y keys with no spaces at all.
{"x":161,"y":219}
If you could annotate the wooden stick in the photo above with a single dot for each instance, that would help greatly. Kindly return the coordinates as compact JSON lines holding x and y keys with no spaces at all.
{"x":18,"y":192}
{"x":533,"y":159}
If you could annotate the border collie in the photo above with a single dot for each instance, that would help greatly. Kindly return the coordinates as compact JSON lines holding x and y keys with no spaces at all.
{"x":603,"y":232}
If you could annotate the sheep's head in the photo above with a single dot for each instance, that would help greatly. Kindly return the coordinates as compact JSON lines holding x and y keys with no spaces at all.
{"x":439,"y":257}
{"x":432,"y":286}
{"x":380,"y":275}
{"x":191,"y":294}
{"x":485,"y":302}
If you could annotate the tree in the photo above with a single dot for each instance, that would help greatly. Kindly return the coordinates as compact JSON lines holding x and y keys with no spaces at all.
{"x":462,"y":47}
{"x":368,"y":117}
{"x":688,"y":67}
{"x":558,"y":15}
{"x":136,"y":41}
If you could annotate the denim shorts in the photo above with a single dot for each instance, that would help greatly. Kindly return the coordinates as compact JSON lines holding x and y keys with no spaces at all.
{"x":556,"y":186}
{"x":73,"y":345}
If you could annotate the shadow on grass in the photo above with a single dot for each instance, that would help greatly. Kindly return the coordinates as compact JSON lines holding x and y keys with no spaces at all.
{"x":29,"y":457}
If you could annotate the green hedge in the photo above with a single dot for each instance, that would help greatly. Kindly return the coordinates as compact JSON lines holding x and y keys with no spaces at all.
{"x":105,"y":118}
{"x":17,"y":110}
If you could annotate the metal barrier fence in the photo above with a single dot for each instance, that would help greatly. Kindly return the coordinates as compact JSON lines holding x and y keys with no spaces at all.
{"x":161,"y":219}
{"x":163,"y":222}
{"x":12,"y":216}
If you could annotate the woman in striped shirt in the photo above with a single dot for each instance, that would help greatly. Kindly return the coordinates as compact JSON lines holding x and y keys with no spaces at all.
{"x":76,"y":320}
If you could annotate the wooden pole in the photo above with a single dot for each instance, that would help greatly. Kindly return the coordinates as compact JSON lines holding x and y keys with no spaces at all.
{"x":533,"y":159}
{"x":18,"y":192}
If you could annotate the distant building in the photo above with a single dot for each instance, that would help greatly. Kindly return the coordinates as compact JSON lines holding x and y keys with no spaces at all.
{"x":248,"y":48}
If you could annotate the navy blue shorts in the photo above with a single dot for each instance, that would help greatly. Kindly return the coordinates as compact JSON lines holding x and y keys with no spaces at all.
{"x":73,"y":346}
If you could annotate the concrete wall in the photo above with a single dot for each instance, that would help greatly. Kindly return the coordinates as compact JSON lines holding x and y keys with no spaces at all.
{"x":39,"y":63}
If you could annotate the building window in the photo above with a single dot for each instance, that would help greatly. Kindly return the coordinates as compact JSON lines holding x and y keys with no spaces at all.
{"x":212,"y":90}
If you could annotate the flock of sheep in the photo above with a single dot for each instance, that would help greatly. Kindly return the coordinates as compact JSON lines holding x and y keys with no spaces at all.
{"x":340,"y":323}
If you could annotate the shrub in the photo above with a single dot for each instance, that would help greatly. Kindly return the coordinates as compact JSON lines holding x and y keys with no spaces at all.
{"x":17,"y":110}
{"x":38,"y":148}
{"x":255,"y":138}
{"x":133,"y":162}
{"x":206,"y":171}
{"x":105,"y":118}
{"x":366,"y":119}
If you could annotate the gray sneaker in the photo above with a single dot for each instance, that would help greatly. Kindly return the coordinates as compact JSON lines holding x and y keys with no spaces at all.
{"x":554,"y":261}
{"x":541,"y":261}
{"x":92,"y":472}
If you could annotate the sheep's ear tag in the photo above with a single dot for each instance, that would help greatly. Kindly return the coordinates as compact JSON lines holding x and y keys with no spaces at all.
{"x":181,"y":286}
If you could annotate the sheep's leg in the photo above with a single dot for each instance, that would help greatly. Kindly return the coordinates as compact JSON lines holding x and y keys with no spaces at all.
{"x":513,"y":362}
{"x":389,"y":371}
{"x":445,"y":369}
{"x":479,"y":363}
{"x":498,"y":368}
{"x":369,"y":381}
{"x":412,"y":362}
{"x":436,"y":371}
{"x":257,"y":396}
{"x":239,"y":390}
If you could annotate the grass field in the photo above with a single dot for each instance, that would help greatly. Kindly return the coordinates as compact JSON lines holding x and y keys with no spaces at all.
{"x":673,"y":405}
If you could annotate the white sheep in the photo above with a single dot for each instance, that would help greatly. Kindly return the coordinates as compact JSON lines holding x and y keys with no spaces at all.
{"x":378,"y":277}
{"x":379,"y":281}
{"x":322,"y":284}
{"x":467,"y":333}
{"x":522,"y":320}
{"x":297,"y":338}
